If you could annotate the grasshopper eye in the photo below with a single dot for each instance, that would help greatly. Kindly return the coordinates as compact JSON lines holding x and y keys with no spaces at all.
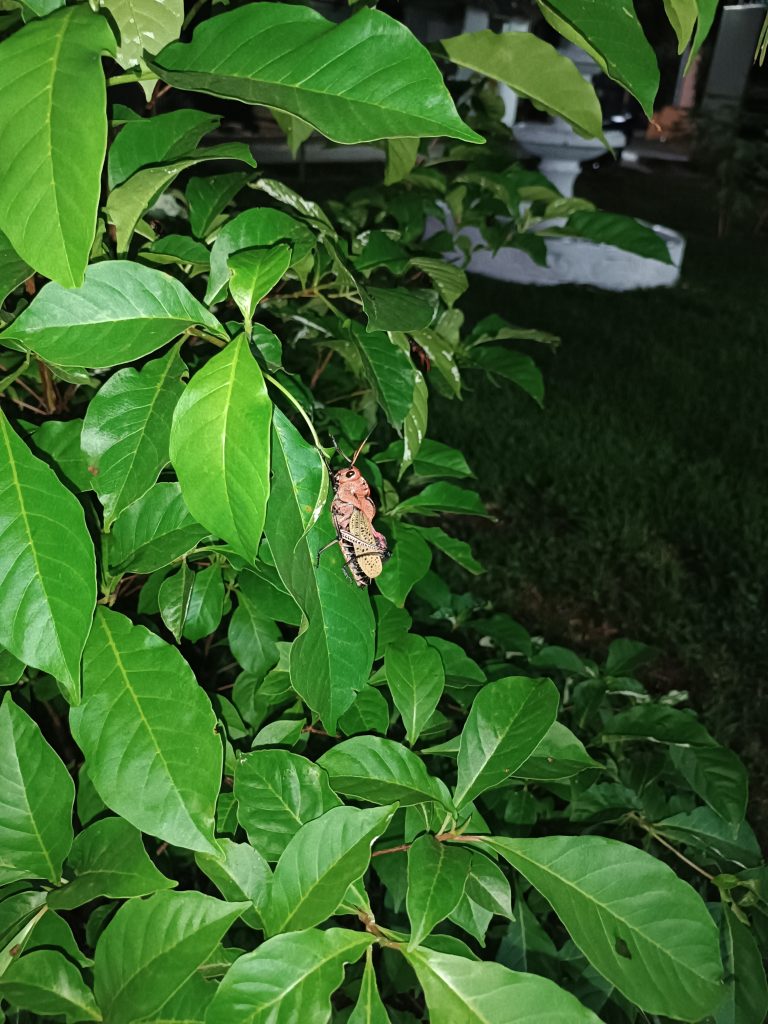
{"x":350,"y":473}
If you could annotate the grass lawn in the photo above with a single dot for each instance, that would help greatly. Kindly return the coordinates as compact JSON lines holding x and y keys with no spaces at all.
{"x":636,"y":502}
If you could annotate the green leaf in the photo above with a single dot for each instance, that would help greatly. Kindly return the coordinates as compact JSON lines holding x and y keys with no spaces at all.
{"x":338,"y":78}
{"x":188,"y":1005}
{"x":401,"y":158}
{"x":515,"y":366}
{"x":255,"y":229}
{"x":220,"y":447}
{"x":277,"y":792}
{"x":154,"y":140}
{"x":682,"y":16}
{"x":397,"y":309}
{"x":154,"y":531}
{"x":456,"y":549}
{"x":128,"y":201}
{"x":332,"y":656}
{"x":288,"y":978}
{"x":615,"y":229}
{"x":142,"y":713}
{"x":416,"y":680}
{"x":122,"y":312}
{"x":559,"y":755}
{"x":658,"y":722}
{"x":369,"y":1008}
{"x":535,"y":71}
{"x":389,"y":371}
{"x":206,"y":604}
{"x":611,"y":34}
{"x":47,"y":566}
{"x":369,"y":713}
{"x":36,"y":807}
{"x":626,"y":656}
{"x":11,"y":669}
{"x":295,"y":130}
{"x":487,"y":886}
{"x":240,"y":874}
{"x":746,"y":1000}
{"x":59,"y":440}
{"x":717,"y":775}
{"x":208,"y":196}
{"x":253,"y":637}
{"x":173,"y":600}
{"x":410,"y":562}
{"x":637,"y":923}
{"x":437,"y":874}
{"x":706,"y":830}
{"x":415,"y":425}
{"x":13,"y":269}
{"x":53,"y":123}
{"x":151,"y":947}
{"x":451,"y":282}
{"x":507,"y":721}
{"x":443,"y":497}
{"x":108,"y":859}
{"x":254,"y":273}
{"x":707,"y":9}
{"x":436,"y":459}
{"x":319,"y":864}
{"x":144,"y":25}
{"x":379,"y":771}
{"x":126,"y":430}
{"x":458,"y":989}
{"x":47,"y":983}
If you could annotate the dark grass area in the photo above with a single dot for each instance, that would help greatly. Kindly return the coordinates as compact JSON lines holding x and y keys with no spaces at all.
{"x":636,"y":502}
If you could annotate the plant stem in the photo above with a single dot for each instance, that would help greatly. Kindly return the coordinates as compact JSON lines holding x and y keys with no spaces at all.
{"x":298,"y":406}
{"x":646,"y":827}
{"x":127,"y":79}
{"x":193,"y":11}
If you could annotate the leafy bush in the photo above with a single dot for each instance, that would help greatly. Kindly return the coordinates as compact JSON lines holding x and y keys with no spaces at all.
{"x":276,"y":775}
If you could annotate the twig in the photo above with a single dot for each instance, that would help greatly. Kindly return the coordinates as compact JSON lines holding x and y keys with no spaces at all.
{"x":320,"y":369}
{"x":441,"y":837}
{"x":646,"y":827}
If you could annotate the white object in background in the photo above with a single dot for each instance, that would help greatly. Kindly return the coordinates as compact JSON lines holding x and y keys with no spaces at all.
{"x":560,"y":150}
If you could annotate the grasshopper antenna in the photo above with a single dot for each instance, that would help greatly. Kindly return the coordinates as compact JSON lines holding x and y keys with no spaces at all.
{"x":360,"y":448}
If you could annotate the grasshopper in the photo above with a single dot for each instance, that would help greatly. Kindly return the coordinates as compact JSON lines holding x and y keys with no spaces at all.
{"x":363,"y":547}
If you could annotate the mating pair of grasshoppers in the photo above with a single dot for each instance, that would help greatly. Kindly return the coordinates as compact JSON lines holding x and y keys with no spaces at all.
{"x":364,"y":549}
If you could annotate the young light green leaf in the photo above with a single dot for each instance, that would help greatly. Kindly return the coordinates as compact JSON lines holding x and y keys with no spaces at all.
{"x":173,"y":599}
{"x":320,"y":863}
{"x":144,"y":25}
{"x":410,"y":562}
{"x":379,"y":771}
{"x":437,"y":874}
{"x":126,"y":430}
{"x":154,"y":531}
{"x":416,"y":680}
{"x":458,"y":989}
{"x":122,"y":312}
{"x":240,"y":874}
{"x":206,"y":604}
{"x":535,"y":71}
{"x":53,"y":123}
{"x":108,"y":859}
{"x":220,"y":447}
{"x":638,"y":924}
{"x":47,"y":566}
{"x":45,"y":982}
{"x":335,"y":77}
{"x":332,"y":656}
{"x":369,"y":1008}
{"x":506,"y":723}
{"x":611,"y":34}
{"x":277,"y":792}
{"x":36,"y":802}
{"x":682,"y":16}
{"x":141,"y":715}
{"x":254,"y":273}
{"x":288,"y":978}
{"x":151,"y":947}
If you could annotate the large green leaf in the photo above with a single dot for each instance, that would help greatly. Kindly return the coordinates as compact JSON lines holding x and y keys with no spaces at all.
{"x":437,"y":874}
{"x":240,"y":874}
{"x":515,"y":366}
{"x":458,"y":989}
{"x":379,"y":771}
{"x":706,"y":830}
{"x":108,"y":859}
{"x":389,"y":371}
{"x":36,"y":802}
{"x":610,"y":33}
{"x":416,"y":680}
{"x":208,"y":196}
{"x":682,"y":16}
{"x":144,"y":25}
{"x":559,"y":755}
{"x":338,"y":78}
{"x":717,"y":775}
{"x":332,"y":656}
{"x":320,"y":863}
{"x":443,"y":497}
{"x":277,"y":792}
{"x":142,"y":714}
{"x":153,"y":531}
{"x":155,"y":140}
{"x":122,"y":312}
{"x":47,"y":983}
{"x":369,"y":1008}
{"x":129,"y":200}
{"x":640,"y":926}
{"x":255,"y":272}
{"x":151,"y":947}
{"x":616,"y":229}
{"x":746,"y":1000}
{"x":126,"y":431}
{"x":289,"y":978}
{"x":220,"y":447}
{"x":397,"y":309}
{"x":534,"y":70}
{"x":410,"y":562}
{"x":507,"y":721}
{"x":47,"y":566}
{"x":53,"y":122}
